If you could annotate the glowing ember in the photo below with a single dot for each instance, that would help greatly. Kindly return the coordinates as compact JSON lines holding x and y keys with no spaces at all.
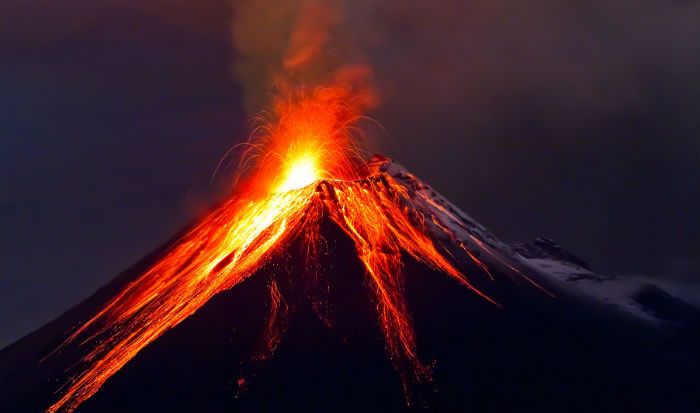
{"x":308,"y":142}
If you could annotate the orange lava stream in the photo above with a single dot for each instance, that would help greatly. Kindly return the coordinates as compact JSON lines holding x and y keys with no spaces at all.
{"x":378,"y":216}
{"x":225,"y":248}
{"x":306,"y":172}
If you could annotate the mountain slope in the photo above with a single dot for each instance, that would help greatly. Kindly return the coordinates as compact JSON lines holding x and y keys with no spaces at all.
{"x":554,"y":344}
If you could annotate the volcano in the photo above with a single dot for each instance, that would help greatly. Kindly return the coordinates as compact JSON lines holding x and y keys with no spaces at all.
{"x":451,"y":319}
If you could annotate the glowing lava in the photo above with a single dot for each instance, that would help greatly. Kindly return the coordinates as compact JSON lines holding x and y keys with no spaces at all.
{"x":302,"y":173}
{"x":306,"y":168}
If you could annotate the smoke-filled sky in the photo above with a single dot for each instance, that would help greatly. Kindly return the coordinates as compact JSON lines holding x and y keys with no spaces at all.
{"x":579,"y":122}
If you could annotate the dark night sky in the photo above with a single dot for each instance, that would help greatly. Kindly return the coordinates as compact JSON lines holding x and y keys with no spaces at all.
{"x":576,"y":123}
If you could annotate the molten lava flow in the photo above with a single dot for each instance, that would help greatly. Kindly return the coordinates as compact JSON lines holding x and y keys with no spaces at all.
{"x":306,"y":168}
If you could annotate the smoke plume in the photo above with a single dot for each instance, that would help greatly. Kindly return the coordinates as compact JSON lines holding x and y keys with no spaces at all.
{"x":294,"y":43}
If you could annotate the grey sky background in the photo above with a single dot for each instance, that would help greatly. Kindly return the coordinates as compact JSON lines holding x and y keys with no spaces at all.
{"x":576,"y":122}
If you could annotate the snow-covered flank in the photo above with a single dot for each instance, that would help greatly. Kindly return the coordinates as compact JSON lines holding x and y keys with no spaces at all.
{"x":647,"y":298}
{"x":642,"y":297}
{"x":617,"y":292}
